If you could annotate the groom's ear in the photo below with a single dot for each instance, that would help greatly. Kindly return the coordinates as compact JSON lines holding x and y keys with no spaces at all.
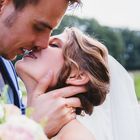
{"x":3,"y":3}
{"x":77,"y":79}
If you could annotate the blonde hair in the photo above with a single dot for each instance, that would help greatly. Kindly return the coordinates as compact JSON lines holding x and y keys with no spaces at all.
{"x":89,"y":55}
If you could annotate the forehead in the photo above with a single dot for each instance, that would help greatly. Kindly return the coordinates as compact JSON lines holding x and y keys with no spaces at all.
{"x":50,"y":9}
{"x":63,"y":37}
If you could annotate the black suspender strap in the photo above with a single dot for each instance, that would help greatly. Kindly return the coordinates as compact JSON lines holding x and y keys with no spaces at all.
{"x":7,"y":77}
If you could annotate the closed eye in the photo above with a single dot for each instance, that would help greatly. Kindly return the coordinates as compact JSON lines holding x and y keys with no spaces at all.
{"x":54,"y":45}
{"x":41,"y":26}
{"x":38,"y":27}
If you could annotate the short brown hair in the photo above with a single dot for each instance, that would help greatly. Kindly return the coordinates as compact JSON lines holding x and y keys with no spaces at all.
{"x":20,"y":4}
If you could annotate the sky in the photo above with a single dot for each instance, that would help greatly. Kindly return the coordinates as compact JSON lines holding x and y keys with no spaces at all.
{"x":114,"y":13}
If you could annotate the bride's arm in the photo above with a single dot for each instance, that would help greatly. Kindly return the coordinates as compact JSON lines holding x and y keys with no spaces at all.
{"x":79,"y":136}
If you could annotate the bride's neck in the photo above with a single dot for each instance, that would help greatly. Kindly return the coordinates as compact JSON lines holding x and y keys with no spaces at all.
{"x":30,"y":86}
{"x":29,"y":83}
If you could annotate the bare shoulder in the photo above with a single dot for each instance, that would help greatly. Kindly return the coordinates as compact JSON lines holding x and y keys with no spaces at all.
{"x":77,"y":136}
{"x":75,"y":131}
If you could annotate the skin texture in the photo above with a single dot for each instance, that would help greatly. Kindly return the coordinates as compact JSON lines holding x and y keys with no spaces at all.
{"x":68,"y":132}
{"x":25,"y":29}
{"x":51,"y":57}
{"x":33,"y":69}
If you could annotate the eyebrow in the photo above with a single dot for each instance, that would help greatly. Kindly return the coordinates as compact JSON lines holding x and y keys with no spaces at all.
{"x":45,"y":24}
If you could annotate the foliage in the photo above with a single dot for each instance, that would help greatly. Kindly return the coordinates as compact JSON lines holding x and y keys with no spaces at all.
{"x":137,"y":83}
{"x":123,"y":44}
{"x":132,"y":48}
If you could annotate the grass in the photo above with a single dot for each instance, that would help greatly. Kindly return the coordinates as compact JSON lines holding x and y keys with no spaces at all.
{"x":137,"y":83}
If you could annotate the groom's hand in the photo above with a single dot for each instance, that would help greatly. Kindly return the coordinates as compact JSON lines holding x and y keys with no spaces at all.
{"x":53,"y":109}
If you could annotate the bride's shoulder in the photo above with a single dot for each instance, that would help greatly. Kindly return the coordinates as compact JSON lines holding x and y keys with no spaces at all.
{"x":75,"y":131}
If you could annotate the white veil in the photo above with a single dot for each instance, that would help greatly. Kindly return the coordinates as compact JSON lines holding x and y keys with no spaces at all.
{"x":118,"y":118}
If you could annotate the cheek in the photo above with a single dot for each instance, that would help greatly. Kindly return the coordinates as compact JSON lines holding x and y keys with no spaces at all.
{"x":29,"y":68}
{"x":36,"y":69}
{"x":54,"y":64}
{"x":52,"y":60}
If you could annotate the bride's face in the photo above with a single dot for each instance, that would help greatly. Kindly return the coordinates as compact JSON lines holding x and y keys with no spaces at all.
{"x":37,"y":65}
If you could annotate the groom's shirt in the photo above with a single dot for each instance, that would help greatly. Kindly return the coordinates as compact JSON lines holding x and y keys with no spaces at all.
{"x":9,"y":93}
{"x":8,"y":77}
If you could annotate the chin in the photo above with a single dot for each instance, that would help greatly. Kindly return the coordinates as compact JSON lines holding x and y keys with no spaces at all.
{"x":12,"y":57}
{"x":9,"y":57}
{"x":20,"y":69}
{"x":25,"y":71}
{"x":24,"y":74}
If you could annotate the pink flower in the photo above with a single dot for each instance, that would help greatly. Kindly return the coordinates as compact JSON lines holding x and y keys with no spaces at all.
{"x":19,"y":127}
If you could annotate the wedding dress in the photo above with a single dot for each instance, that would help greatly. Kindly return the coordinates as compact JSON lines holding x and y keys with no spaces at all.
{"x":118,"y":118}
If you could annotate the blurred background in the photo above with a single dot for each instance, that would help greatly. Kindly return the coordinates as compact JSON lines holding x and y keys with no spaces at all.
{"x":115,"y":23}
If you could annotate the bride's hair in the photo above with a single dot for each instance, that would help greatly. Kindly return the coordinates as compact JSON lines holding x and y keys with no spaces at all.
{"x":89,"y":55}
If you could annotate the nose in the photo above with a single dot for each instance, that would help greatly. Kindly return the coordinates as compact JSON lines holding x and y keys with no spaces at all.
{"x":42,"y":41}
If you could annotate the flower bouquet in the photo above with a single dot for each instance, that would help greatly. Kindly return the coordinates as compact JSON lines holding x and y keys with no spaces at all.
{"x":15,"y":126}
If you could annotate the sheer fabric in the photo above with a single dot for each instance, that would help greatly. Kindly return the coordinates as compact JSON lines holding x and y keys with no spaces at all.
{"x":118,"y":118}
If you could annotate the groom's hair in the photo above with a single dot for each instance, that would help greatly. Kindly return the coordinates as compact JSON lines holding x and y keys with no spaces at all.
{"x":20,"y":4}
{"x":90,"y":56}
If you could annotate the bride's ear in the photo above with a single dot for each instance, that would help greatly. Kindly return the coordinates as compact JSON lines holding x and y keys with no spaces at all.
{"x":77,"y":79}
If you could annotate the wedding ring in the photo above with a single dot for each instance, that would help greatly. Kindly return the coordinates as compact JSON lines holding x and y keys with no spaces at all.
{"x":83,"y":113}
{"x":69,"y":110}
{"x":72,"y":110}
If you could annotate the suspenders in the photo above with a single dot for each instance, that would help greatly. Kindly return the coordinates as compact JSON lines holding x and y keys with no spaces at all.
{"x":7,"y":77}
{"x":1,"y":83}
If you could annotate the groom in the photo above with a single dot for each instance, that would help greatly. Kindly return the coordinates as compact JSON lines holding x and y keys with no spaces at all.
{"x":27,"y":25}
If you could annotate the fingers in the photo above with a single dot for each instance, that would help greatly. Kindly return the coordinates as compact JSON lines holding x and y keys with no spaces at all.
{"x":69,"y":110}
{"x":73,"y":102}
{"x":43,"y":84}
{"x":69,"y":91}
{"x":69,"y":114}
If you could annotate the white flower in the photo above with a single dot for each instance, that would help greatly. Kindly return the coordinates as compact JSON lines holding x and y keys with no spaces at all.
{"x":1,"y":112}
{"x":21,"y":128}
{"x":18,"y":127}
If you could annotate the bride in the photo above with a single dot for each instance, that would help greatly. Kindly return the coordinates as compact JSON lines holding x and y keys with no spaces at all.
{"x":76,"y":59}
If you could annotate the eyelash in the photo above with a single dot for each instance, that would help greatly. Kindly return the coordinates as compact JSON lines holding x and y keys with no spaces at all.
{"x":54,"y":45}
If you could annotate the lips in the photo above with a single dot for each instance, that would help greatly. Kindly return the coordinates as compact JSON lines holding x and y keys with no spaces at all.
{"x":28,"y":53}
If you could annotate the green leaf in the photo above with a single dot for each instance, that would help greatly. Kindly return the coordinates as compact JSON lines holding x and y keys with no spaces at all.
{"x":3,"y":97}
{"x":29,"y":111}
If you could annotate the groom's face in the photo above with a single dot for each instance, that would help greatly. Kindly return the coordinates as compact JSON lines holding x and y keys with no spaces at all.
{"x":29,"y":28}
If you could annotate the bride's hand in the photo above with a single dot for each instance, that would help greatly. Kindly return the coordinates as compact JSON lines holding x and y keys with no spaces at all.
{"x":53,"y":108}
